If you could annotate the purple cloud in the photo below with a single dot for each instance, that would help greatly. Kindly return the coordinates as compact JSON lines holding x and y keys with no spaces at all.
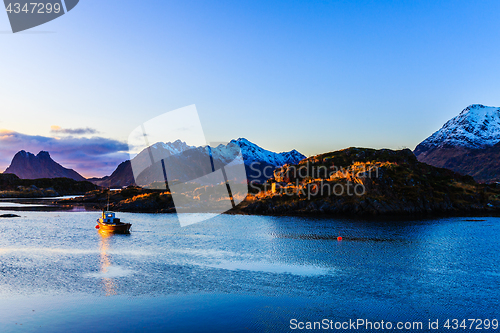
{"x":72,"y":131}
{"x":91,"y":157}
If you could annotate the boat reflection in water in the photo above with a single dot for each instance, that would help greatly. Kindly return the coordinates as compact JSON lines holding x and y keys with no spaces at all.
{"x":108,"y":282}
{"x":109,"y":274}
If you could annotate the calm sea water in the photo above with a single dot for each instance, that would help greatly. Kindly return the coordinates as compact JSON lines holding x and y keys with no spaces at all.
{"x":242,"y":273}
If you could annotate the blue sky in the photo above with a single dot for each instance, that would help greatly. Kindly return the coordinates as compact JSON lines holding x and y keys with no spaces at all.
{"x":314,"y":76}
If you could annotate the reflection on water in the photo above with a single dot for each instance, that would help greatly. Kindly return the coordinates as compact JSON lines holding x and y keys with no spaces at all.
{"x":108,"y":282}
{"x":108,"y":273}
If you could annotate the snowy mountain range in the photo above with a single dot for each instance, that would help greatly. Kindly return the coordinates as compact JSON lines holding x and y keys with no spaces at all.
{"x":188,"y":162}
{"x":469,"y":144}
{"x":255,"y":158}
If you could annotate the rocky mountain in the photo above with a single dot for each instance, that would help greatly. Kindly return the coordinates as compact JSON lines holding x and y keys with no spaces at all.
{"x":255,"y":158}
{"x":28,"y":166}
{"x":467,"y":144}
{"x":122,"y":176}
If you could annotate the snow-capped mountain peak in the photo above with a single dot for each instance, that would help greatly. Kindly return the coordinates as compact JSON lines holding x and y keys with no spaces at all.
{"x":189,"y":159}
{"x":253,"y":153}
{"x":250,"y":152}
{"x":477,"y":126}
{"x":175,"y":147}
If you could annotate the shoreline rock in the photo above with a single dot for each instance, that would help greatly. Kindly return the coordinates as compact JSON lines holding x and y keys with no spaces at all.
{"x":9,"y":215}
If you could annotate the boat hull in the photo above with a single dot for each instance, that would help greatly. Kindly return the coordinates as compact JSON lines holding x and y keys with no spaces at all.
{"x":122,"y":228}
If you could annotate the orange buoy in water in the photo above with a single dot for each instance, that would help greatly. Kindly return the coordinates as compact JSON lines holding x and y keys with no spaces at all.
{"x":97,"y":227}
{"x":339,"y":238}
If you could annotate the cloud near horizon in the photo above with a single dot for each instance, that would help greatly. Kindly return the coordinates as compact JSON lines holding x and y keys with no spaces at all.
{"x":72,"y":131}
{"x":91,"y":157}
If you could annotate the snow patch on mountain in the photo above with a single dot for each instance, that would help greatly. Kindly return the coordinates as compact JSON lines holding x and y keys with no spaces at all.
{"x":477,"y":126}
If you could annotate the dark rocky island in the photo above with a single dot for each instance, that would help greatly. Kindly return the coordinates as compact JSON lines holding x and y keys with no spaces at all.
{"x":392,"y":182}
{"x":130,"y":199}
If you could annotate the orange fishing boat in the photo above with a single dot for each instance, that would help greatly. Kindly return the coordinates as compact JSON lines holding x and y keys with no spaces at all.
{"x":108,"y":222}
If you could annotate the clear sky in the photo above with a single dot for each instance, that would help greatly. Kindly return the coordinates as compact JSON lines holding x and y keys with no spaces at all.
{"x":314,"y":76}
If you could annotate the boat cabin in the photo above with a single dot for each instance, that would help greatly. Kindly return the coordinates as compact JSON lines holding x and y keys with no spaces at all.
{"x":109,"y":217}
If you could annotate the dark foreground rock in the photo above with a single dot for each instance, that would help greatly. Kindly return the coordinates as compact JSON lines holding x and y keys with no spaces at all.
{"x":9,"y":215}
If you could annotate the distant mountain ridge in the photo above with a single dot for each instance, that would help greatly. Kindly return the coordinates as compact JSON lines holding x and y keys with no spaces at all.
{"x":467,"y":144}
{"x":250,"y":152}
{"x":222,"y":154}
{"x":26,"y":165}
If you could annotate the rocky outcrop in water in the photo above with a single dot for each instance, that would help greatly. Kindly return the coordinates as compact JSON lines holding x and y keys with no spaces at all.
{"x":369,"y":182}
